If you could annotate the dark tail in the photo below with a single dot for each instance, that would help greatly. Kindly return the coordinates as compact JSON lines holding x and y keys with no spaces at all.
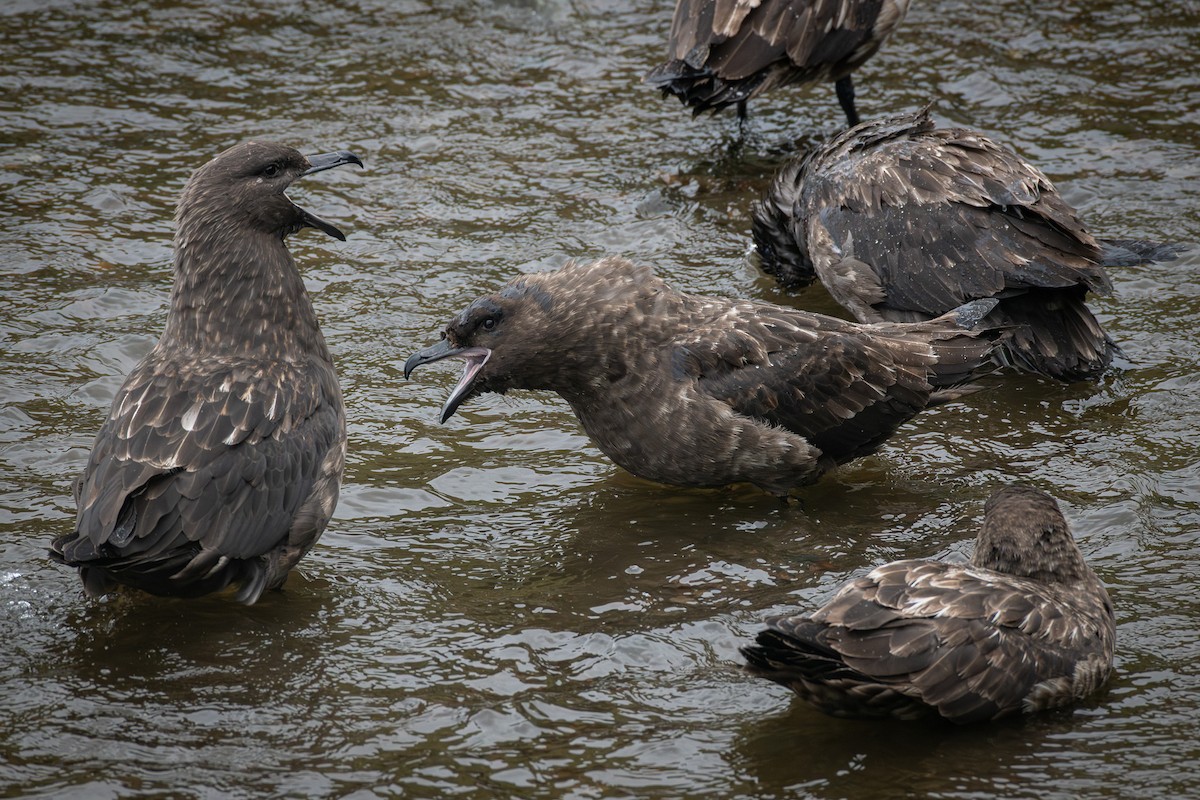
{"x":785,"y":658}
{"x":1048,"y":332}
{"x":701,"y":89}
{"x":1053,"y":333}
{"x":184,"y":571}
{"x":1131,"y":252}
{"x":799,"y":660}
{"x":969,"y":315}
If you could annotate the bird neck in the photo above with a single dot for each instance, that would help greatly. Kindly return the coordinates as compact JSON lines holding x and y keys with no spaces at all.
{"x":1055,"y":561}
{"x":605,"y":342}
{"x":240,"y":294}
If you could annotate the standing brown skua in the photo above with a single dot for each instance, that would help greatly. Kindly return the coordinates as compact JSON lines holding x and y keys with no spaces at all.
{"x":1025,"y":626}
{"x":707,"y":391}
{"x":222,"y":455}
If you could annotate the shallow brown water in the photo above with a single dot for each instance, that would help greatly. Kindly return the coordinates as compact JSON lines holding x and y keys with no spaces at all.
{"x":497,"y":610}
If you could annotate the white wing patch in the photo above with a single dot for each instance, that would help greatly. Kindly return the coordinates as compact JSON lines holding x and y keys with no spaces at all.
{"x":188,"y":420}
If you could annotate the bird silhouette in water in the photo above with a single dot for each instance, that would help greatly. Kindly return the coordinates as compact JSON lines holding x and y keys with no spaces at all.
{"x":1025,"y":626}
{"x":725,"y":52}
{"x":707,"y":391}
{"x":222,"y":455}
{"x":903,"y":221}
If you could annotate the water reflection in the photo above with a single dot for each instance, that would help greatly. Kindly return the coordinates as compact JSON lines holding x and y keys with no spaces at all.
{"x":924,"y":758}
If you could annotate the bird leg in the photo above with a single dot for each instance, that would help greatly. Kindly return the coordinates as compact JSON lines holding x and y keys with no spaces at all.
{"x":845,"y":95}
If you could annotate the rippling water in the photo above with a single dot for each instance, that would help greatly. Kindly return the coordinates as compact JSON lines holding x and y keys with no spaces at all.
{"x":496,"y":609}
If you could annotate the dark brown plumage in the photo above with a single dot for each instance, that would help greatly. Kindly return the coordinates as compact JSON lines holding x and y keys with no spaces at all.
{"x":705,"y":391}
{"x":725,"y":52}
{"x":902,"y":222}
{"x":222,"y":455}
{"x":1026,"y":626}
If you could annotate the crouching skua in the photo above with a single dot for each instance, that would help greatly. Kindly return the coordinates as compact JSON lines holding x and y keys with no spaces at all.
{"x":903,"y":221}
{"x":1025,"y":626}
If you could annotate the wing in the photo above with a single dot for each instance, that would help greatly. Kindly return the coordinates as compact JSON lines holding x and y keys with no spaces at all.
{"x":735,"y":39}
{"x":843,"y":387}
{"x":940,"y":217}
{"x":726,"y":51}
{"x":971,"y":643}
{"x":206,"y":457}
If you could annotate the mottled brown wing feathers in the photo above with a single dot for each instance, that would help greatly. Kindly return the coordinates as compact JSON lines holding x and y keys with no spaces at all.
{"x":724,"y":51}
{"x":944,"y":216}
{"x":840,"y":386}
{"x":219,"y":460}
{"x":691,"y":31}
{"x":970,"y":643}
{"x":746,"y":40}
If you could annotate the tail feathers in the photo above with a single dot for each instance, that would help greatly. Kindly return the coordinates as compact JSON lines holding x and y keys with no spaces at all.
{"x":701,"y":89}
{"x":818,"y":674}
{"x":969,"y":315}
{"x":785,"y":658}
{"x":1132,"y":252}
{"x":1053,"y":333}
{"x":186,"y":571}
{"x":1047,"y":332}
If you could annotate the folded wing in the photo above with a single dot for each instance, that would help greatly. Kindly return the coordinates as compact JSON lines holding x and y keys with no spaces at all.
{"x":198,"y":471}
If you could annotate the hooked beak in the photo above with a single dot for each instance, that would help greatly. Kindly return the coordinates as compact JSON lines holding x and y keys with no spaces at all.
{"x":475,"y":357}
{"x":324,"y":161}
{"x":320,"y":163}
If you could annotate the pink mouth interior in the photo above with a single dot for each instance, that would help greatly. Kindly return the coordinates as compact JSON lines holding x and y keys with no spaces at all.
{"x":475,"y":358}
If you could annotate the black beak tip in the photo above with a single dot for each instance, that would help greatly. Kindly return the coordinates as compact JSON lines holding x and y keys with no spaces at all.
{"x":412,"y":363}
{"x":451,"y":406}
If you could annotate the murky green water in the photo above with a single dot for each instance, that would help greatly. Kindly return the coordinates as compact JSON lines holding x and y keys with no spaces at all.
{"x":496,"y":610}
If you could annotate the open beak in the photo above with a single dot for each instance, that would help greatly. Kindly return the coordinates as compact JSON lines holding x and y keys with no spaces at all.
{"x":320,"y":163}
{"x":475,"y":357}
